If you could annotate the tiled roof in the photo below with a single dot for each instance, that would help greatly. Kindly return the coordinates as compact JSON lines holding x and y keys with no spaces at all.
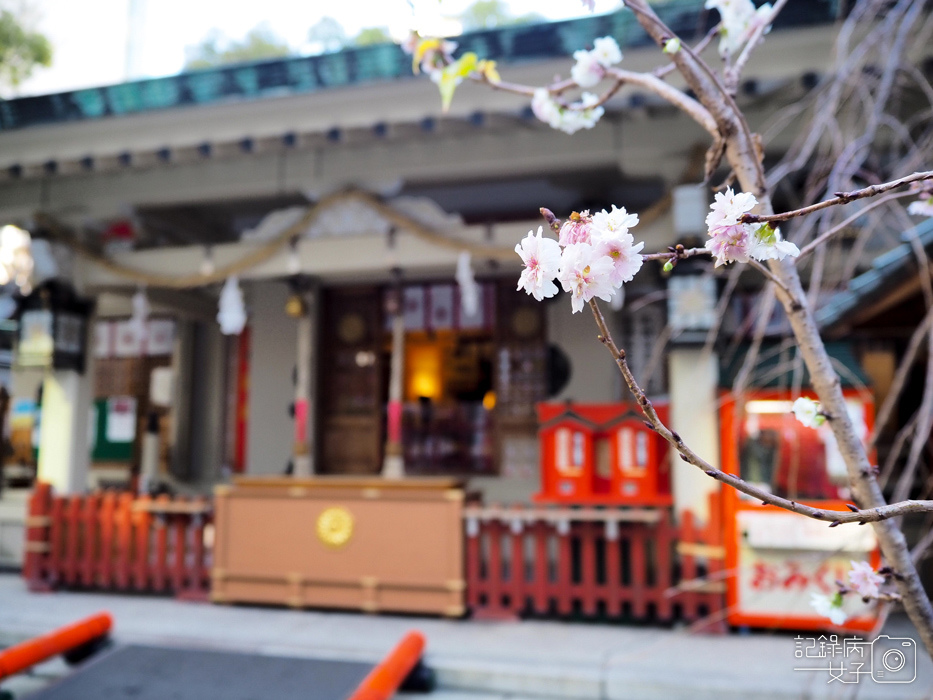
{"x":887,"y":270}
{"x":357,"y":66}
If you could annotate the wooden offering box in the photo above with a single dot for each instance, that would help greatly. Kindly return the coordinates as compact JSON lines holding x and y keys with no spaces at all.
{"x":338,"y":542}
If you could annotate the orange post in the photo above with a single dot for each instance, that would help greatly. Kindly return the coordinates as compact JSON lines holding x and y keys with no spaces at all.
{"x":21,"y":656}
{"x":388,"y":675}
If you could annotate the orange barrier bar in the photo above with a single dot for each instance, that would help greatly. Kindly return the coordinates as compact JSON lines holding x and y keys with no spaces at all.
{"x":388,"y":675}
{"x":21,"y":656}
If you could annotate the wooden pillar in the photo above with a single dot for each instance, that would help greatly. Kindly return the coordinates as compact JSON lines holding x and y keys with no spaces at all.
{"x":695,"y":415}
{"x":63,"y":439}
{"x":393,"y":462}
{"x":303,"y":455}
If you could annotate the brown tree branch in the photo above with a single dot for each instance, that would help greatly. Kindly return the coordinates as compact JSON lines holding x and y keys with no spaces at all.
{"x":840,"y":198}
{"x":833,"y":517}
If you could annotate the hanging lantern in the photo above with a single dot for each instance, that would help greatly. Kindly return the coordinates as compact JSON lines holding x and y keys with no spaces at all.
{"x":231,"y":313}
{"x":469,"y":290}
{"x":16,"y":261}
{"x":140,"y":317}
{"x":207,"y":262}
{"x":53,"y":327}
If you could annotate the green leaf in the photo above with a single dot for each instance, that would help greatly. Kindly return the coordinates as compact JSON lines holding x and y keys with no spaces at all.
{"x":453,"y":74}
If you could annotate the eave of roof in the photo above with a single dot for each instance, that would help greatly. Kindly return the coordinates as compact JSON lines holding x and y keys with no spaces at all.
{"x":886,"y":271}
{"x":379,"y":63}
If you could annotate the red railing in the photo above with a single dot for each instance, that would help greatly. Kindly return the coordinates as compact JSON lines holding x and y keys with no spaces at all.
{"x":117,"y":541}
{"x":631,"y":564}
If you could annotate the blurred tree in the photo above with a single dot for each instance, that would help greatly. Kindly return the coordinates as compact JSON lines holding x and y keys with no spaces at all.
{"x":21,"y":50}
{"x":327,"y":35}
{"x":216,"y":49}
{"x":372,"y":35}
{"x":488,"y":14}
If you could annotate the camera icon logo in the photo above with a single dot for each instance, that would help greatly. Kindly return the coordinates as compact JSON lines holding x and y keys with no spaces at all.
{"x":893,"y":659}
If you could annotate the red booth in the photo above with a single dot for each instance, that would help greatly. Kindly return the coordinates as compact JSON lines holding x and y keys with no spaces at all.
{"x":779,"y":559}
{"x":602,"y":454}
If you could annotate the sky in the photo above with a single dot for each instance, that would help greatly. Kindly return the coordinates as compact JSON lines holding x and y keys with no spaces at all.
{"x":89,"y":37}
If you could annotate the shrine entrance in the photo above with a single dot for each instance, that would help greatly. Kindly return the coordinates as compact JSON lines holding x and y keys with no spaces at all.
{"x":470,"y":379}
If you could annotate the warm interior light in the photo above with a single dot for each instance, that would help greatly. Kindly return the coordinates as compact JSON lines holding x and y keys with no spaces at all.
{"x":424,"y":371}
{"x":763,"y":406}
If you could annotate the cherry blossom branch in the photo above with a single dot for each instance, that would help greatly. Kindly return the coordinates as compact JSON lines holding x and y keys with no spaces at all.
{"x":676,"y":252}
{"x":699,"y":48}
{"x":833,"y":517}
{"x":840,"y":198}
{"x":648,"y":81}
{"x":734,"y":72}
{"x":826,"y":235}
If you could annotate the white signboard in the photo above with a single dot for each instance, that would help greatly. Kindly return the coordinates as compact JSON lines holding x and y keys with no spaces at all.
{"x":784,"y":558}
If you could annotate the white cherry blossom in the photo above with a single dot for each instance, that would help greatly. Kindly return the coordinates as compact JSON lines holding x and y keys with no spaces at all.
{"x":542,"y":261}
{"x":922,"y":207}
{"x":616,"y":221}
{"x":767,"y":244}
{"x":830,"y":607}
{"x":585,"y":274}
{"x":739,"y":20}
{"x":606,"y":51}
{"x":587,"y":71}
{"x":728,"y":207}
{"x":807,"y":411}
{"x":546,"y":108}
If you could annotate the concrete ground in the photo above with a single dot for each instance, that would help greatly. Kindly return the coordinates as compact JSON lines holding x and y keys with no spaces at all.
{"x":474,"y":660}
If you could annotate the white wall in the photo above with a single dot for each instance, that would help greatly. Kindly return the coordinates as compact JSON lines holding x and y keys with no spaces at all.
{"x":594,"y":377}
{"x":270,"y":430}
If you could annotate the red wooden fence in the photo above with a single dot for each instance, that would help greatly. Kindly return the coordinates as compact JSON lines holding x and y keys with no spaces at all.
{"x":631,"y":564}
{"x":117,"y":541}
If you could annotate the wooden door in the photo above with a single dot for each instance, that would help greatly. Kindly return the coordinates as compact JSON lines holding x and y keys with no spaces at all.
{"x":351,"y":396}
{"x":521,"y":378}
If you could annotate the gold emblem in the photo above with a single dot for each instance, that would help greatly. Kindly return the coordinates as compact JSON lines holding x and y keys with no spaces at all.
{"x":335,"y":526}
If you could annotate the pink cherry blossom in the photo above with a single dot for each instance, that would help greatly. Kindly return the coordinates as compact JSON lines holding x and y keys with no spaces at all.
{"x":864,"y":579}
{"x":585,"y":274}
{"x":542,"y":262}
{"x":624,"y":254}
{"x":577,"y":228}
{"x":729,"y":244}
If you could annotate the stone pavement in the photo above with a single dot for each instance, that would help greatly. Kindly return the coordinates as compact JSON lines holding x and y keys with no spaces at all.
{"x":474,"y":660}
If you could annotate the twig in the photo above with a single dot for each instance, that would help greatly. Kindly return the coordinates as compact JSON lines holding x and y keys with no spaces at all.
{"x":771,"y":276}
{"x":833,"y":517}
{"x":826,"y":235}
{"x":735,"y":70}
{"x":621,"y":77}
{"x":698,"y":49}
{"x":900,"y":377}
{"x":840,"y":198}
